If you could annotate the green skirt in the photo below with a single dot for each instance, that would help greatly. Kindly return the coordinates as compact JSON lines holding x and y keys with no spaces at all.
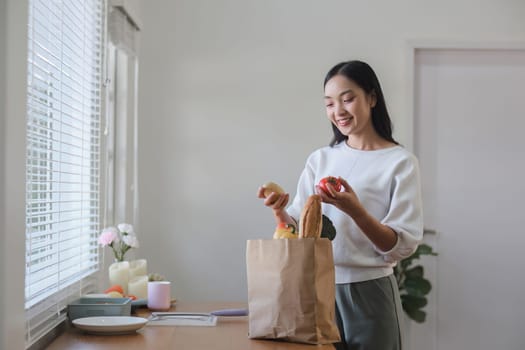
{"x":369,"y":315}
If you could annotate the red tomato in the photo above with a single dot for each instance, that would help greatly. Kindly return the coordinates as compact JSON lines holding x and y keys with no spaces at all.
{"x":333,"y":181}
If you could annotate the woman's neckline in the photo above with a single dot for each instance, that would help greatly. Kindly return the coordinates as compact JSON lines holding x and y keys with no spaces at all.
{"x":387,"y":148}
{"x":373,"y":142}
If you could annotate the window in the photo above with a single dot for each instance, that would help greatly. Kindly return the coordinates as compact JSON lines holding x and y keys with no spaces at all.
{"x":122,"y":117}
{"x":65,"y":46}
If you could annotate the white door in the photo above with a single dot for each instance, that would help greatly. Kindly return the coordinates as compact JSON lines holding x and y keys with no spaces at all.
{"x":470,"y":140}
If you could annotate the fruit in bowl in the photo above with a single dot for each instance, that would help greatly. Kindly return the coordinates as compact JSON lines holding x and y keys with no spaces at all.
{"x":116,"y":291}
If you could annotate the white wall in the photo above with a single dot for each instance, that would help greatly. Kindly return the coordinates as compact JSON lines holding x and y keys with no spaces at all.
{"x":231,"y":96}
{"x":13,"y":19}
{"x":215,"y":76}
{"x":3,"y":86}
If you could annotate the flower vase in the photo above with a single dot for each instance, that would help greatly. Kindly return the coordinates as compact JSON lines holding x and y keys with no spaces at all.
{"x":119,"y":274}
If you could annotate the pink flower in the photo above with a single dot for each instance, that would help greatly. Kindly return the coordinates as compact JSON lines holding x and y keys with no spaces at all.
{"x":108,"y":236}
{"x":120,"y":239}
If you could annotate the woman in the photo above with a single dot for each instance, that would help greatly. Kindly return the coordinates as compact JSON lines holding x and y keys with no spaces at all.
{"x":377,"y":214}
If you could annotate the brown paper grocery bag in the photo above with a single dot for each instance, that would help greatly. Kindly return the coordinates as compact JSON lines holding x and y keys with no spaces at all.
{"x":291,"y":290}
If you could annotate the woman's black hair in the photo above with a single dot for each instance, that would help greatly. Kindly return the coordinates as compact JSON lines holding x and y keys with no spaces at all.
{"x":364,"y":76}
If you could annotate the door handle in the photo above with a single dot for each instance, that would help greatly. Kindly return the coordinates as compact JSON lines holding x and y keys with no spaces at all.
{"x":429,"y":231}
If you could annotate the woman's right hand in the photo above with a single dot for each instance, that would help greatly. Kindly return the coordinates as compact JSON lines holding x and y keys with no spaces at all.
{"x":277,"y":202}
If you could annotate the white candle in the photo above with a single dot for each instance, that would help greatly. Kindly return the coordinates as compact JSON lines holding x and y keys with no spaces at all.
{"x":138,"y":286}
{"x":138,"y":268}
{"x":119,"y":274}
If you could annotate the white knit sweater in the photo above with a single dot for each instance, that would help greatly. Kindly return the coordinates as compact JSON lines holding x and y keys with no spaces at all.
{"x":387,"y":184}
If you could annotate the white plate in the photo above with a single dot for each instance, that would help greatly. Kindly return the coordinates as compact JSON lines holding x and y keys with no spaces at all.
{"x":110,"y":324}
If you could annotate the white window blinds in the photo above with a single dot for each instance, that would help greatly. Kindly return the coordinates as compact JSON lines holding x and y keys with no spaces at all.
{"x":63,"y":150}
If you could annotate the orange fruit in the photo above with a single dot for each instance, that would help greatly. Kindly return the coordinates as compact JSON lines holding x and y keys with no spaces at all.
{"x":115,"y":288}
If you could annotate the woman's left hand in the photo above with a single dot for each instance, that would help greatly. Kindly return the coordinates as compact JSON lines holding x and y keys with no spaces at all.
{"x":346,"y":200}
{"x":382,"y":236}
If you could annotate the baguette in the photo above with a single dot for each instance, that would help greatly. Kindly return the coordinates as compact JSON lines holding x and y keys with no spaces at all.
{"x":311,"y":222}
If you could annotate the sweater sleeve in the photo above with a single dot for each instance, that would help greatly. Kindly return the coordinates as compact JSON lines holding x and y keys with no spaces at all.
{"x":405,"y":215}
{"x":305,"y":188}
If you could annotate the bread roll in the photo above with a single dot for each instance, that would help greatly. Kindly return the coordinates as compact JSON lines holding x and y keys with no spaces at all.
{"x":270,"y":187}
{"x":311,"y":222}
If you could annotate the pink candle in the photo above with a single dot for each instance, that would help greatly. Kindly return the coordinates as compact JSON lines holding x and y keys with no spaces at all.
{"x":159,"y":295}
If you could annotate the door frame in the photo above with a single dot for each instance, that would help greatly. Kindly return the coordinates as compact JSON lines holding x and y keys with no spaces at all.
{"x":412,"y":46}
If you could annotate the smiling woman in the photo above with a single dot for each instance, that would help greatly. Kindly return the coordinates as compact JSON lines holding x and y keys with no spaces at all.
{"x":360,"y":97}
{"x":374,"y":201}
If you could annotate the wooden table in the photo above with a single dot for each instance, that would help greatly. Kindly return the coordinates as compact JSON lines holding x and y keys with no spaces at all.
{"x":230,"y":333}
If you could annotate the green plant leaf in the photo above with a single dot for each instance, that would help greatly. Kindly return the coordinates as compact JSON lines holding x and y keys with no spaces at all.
{"x":417,"y":286}
{"x":415,"y":272}
{"x":425,"y":249}
{"x":405,"y":263}
{"x":411,"y":283}
{"x":411,"y":302}
{"x":328,"y":229}
{"x":417,"y":315}
{"x":422,"y":249}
